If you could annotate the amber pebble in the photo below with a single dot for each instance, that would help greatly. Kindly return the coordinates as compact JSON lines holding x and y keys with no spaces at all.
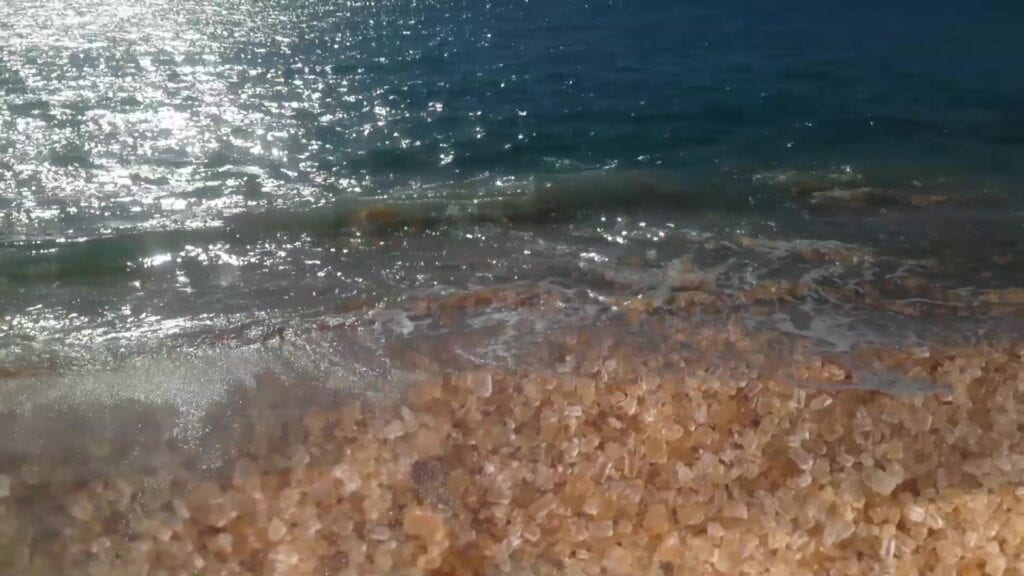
{"x":80,"y":508}
{"x":619,"y":561}
{"x":657,"y":520}
{"x":424,"y":524}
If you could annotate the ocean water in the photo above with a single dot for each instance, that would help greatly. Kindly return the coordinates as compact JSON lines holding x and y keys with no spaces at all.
{"x":200,"y":181}
{"x":173,"y":168}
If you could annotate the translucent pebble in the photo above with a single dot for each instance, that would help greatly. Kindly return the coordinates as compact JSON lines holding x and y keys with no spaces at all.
{"x":424,"y":524}
{"x":481,"y":384}
{"x":803,"y":480}
{"x":995,"y":564}
{"x":655,"y":450}
{"x":180,"y":508}
{"x":670,"y":549}
{"x":726,"y":560}
{"x":587,"y":390}
{"x":657,"y":520}
{"x":423,"y":393}
{"x":223,"y":543}
{"x":161,"y":531}
{"x":246,"y":473}
{"x":120,"y":494}
{"x":392,"y":430}
{"x":379,"y":533}
{"x":99,"y":545}
{"x":5,"y":486}
{"x":920,"y":420}
{"x":80,"y":508}
{"x":884,"y":481}
{"x":499,"y":495}
{"x":276,"y":530}
{"x":819,"y":402}
{"x":619,"y":561}
{"x":673,"y":431}
{"x":349,"y":478}
{"x":220,"y":515}
{"x":837,"y":530}
{"x":299,"y":459}
{"x":428,"y":442}
{"x":284,"y":559}
{"x":410,"y":420}
{"x":542,"y":506}
{"x":888,"y":549}
{"x":800,"y":456}
{"x":915,"y":513}
{"x":735,"y":509}
{"x":683,"y":474}
{"x":933,"y":520}
{"x":602,"y":529}
{"x":355,"y":548}
{"x":689,"y":515}
{"x":383,"y":559}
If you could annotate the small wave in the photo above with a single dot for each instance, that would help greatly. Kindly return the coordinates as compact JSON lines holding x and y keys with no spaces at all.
{"x":845,"y":198}
{"x":540,"y":200}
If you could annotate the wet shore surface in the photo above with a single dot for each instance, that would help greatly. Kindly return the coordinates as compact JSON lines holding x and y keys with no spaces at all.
{"x":676,"y":435}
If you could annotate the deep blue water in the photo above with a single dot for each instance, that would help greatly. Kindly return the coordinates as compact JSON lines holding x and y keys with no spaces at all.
{"x":245,"y":104}
{"x":170,"y":167}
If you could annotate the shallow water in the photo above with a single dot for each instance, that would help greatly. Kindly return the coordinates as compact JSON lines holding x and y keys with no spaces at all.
{"x":176,"y":168}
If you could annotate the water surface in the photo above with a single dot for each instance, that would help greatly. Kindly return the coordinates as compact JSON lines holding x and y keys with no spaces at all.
{"x":202,"y":181}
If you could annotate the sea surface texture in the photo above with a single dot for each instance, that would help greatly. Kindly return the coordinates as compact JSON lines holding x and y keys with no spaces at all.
{"x":215,"y":214}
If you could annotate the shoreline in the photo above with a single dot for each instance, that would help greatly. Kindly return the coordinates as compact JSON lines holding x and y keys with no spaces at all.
{"x":657,"y":446}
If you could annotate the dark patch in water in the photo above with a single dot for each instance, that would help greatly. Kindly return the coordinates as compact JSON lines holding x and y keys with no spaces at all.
{"x":71,"y":156}
{"x":30,"y":109}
